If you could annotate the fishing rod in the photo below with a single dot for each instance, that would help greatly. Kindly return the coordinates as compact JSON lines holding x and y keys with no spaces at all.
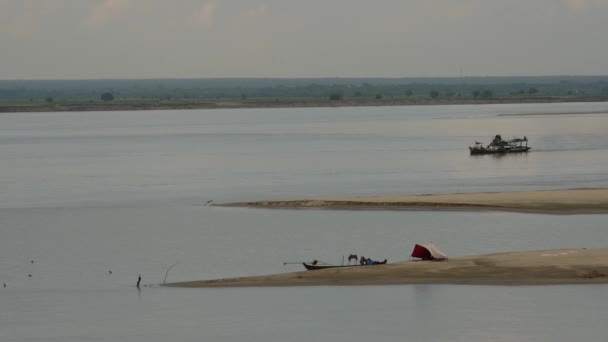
{"x":167,"y":273}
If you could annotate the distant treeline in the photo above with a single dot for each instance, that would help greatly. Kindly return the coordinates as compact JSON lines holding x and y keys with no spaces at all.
{"x":81,"y":91}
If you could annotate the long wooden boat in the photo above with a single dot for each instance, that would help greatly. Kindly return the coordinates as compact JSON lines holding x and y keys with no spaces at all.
{"x":498,"y":150}
{"x":499,"y":146}
{"x":312,"y":267}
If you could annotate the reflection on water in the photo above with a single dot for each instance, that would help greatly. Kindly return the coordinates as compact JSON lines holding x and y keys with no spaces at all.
{"x":522,"y":155}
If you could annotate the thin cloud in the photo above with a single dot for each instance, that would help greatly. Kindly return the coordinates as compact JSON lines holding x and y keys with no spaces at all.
{"x":582,"y":4}
{"x":203,"y":16}
{"x":106,"y":10}
{"x":576,"y":3}
{"x":259,"y":11}
{"x":23,"y":19}
{"x":447,"y":8}
{"x":25,"y":26}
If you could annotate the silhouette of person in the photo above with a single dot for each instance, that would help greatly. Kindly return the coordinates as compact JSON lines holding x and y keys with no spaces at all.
{"x":138,"y":280}
{"x":362,"y":261}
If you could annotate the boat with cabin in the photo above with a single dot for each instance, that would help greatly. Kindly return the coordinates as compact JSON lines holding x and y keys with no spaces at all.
{"x":500,"y":146}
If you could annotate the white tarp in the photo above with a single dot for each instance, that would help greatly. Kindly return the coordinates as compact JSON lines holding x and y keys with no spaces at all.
{"x":435,"y":252}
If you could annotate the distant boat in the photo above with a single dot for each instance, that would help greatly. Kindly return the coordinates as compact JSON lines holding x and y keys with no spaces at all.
{"x":499,"y":146}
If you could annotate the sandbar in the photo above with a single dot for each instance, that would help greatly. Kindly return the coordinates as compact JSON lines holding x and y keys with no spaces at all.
{"x":548,"y":267}
{"x":570,"y":201}
{"x":556,"y":113}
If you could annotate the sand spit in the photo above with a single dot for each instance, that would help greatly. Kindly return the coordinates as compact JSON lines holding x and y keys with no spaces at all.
{"x":573,"y":201}
{"x":550,"y":267}
{"x":556,"y":113}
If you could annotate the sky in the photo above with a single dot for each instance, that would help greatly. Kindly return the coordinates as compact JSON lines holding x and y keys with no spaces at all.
{"x":92,"y":39}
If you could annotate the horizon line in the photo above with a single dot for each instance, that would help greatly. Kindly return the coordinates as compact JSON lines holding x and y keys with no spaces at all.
{"x":299,"y":78}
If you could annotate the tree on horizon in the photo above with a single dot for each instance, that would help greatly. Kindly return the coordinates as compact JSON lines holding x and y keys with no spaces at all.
{"x":107,"y":97}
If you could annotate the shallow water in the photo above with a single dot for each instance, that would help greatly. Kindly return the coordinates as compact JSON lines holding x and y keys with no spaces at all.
{"x":82,"y":194}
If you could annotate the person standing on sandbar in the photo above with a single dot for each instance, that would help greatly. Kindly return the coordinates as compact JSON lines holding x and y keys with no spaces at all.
{"x":138,"y":280}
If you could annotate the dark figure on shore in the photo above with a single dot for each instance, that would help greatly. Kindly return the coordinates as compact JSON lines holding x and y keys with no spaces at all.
{"x":369,"y":261}
{"x":138,"y":280}
{"x":362,"y":261}
{"x":352,"y":257}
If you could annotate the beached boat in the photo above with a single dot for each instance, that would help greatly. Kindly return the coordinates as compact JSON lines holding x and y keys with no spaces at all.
{"x":499,"y":146}
{"x":313,"y":266}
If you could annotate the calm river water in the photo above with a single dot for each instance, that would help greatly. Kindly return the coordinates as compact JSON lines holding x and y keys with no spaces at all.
{"x":88,"y":201}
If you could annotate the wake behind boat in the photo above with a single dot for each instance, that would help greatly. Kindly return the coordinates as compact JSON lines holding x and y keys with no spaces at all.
{"x":499,"y":146}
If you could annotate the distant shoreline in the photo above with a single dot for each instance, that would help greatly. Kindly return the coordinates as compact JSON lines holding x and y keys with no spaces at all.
{"x":548,"y":267}
{"x":150,"y":105}
{"x":566,"y":202}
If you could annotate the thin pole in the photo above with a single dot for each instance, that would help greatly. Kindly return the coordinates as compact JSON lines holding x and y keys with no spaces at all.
{"x":167,"y":273}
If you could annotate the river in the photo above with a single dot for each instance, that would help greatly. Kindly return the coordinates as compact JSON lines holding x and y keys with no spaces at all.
{"x":88,"y":201}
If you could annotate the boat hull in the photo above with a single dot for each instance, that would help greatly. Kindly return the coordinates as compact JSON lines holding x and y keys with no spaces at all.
{"x":312,"y":267}
{"x":477,"y":151}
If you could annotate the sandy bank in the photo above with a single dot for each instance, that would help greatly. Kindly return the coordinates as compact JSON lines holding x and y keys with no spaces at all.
{"x":556,"y":113}
{"x":552,"y":267}
{"x":573,"y":201}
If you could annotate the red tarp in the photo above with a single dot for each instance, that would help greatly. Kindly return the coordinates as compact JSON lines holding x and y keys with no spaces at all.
{"x":428,"y":252}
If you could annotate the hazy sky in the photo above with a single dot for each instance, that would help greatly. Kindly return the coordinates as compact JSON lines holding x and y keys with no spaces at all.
{"x":75,"y":39}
